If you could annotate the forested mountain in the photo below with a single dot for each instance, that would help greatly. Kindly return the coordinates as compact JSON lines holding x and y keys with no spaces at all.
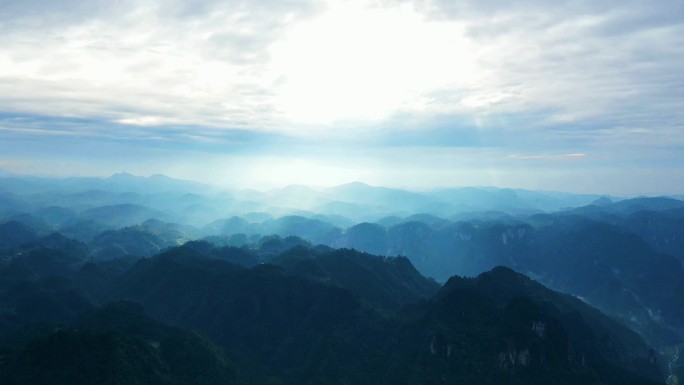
{"x":298,"y":285}
{"x":313,"y":315}
{"x":118,"y":344}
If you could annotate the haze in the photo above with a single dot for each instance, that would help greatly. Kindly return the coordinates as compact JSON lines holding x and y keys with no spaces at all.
{"x":576,"y":96}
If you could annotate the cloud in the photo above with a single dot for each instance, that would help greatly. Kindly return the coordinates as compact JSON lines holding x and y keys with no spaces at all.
{"x":552,"y":157}
{"x":302,"y":66}
{"x":137,"y":62}
{"x":48,"y":134}
{"x":527,"y":78}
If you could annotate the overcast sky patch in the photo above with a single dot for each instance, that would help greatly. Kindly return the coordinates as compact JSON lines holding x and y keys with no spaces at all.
{"x":500,"y":77}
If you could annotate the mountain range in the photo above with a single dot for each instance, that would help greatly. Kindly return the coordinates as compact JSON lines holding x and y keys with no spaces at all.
{"x":306,"y":315}
{"x":350,"y":284}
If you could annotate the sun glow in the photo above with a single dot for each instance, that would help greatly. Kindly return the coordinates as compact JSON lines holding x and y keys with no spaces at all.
{"x":279,"y":172}
{"x":363,"y":63}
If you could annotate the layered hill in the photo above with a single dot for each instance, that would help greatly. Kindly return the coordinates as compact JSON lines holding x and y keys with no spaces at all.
{"x":308,"y":315}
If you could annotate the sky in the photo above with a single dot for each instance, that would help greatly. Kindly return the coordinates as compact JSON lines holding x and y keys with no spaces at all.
{"x":579,"y":96}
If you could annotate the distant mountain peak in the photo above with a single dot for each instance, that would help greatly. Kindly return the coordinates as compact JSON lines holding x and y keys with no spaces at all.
{"x":122,"y":175}
{"x":355,"y":184}
{"x":602,"y":201}
{"x":159,"y":177}
{"x":294,"y":188}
